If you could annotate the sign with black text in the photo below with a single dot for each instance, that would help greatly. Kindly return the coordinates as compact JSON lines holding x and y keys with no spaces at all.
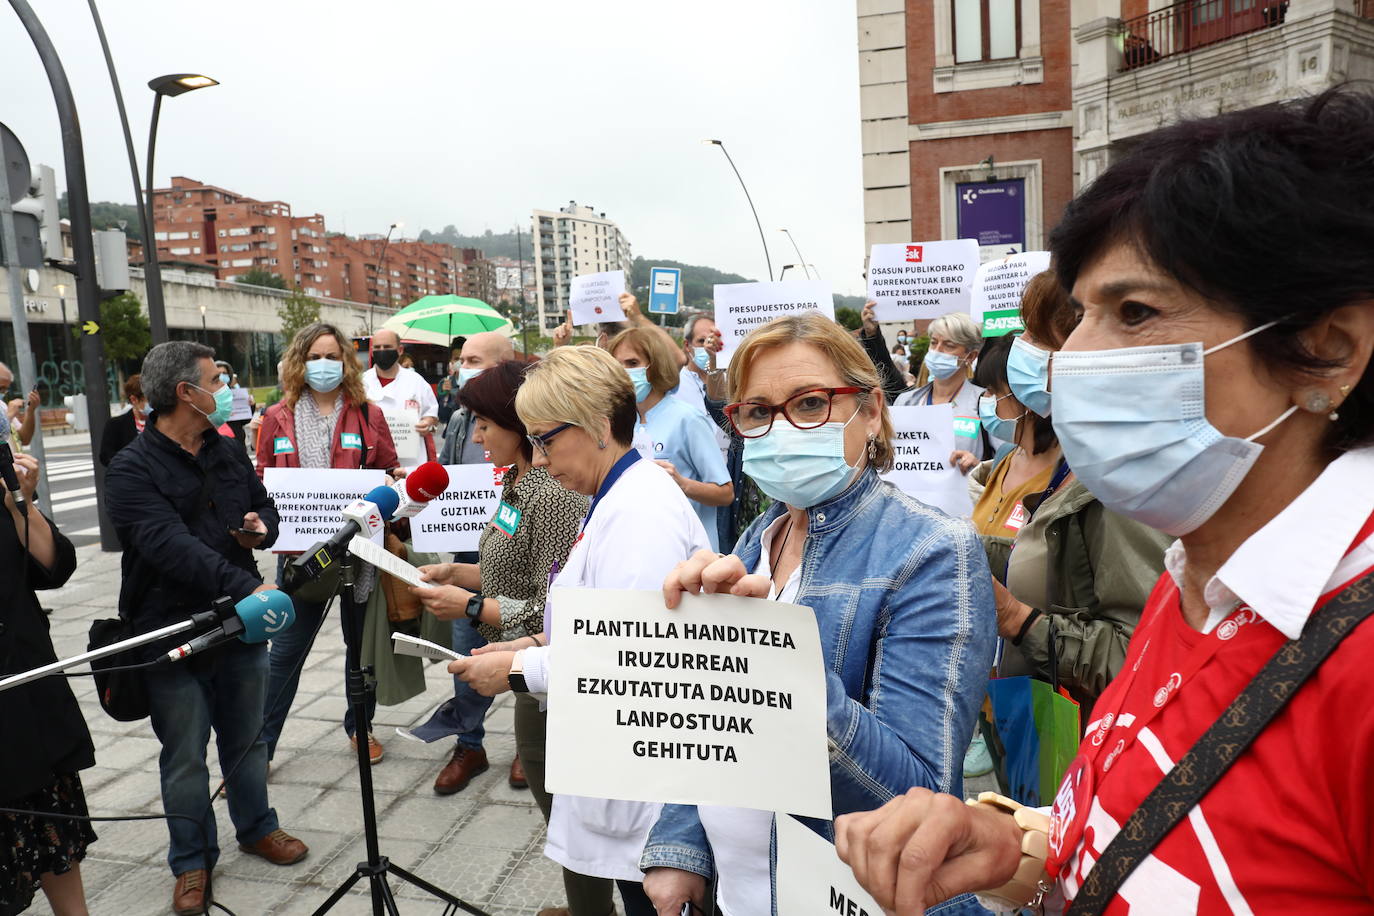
{"x":456,"y":518}
{"x":742,"y":307}
{"x":812,"y":880}
{"x":594,"y":298}
{"x":997,"y":290}
{"x":720,"y":702}
{"x":923,"y":438}
{"x":309,"y":500}
{"x":921,"y":280}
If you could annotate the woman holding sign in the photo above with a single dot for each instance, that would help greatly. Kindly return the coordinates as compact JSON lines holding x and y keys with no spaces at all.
{"x":1226,"y":397}
{"x":322,"y":421}
{"x":901,"y":593}
{"x":580,"y":409}
{"x":674,"y":435}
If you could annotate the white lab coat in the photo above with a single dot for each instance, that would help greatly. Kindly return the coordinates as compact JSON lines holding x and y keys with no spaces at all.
{"x":641,"y":529}
{"x":408,"y":390}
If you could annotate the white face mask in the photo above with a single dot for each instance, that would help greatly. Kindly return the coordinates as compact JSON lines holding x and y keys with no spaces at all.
{"x":1134,"y":430}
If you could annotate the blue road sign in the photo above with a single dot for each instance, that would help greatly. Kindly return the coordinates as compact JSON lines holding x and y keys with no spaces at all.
{"x":665,"y":290}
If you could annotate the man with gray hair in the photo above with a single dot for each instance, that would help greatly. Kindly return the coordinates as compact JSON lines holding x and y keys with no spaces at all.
{"x":189,"y":509}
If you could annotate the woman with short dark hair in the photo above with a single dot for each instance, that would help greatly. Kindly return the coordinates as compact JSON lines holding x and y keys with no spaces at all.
{"x":1218,"y":387}
{"x":120,"y":431}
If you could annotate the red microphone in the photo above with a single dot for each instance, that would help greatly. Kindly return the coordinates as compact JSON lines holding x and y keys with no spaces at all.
{"x":418,"y":487}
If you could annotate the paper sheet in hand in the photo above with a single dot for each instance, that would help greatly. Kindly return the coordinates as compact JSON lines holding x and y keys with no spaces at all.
{"x":401,"y":421}
{"x":923,"y":438}
{"x":403,"y":644}
{"x":721,"y":702}
{"x":386,"y":561}
{"x":593,"y":298}
{"x":921,"y":279}
{"x":309,"y":500}
{"x":742,"y":307}
{"x":812,"y":881}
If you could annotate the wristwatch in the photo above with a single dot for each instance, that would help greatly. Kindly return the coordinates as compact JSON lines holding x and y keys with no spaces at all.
{"x":474,"y":608}
{"x":517,"y":673}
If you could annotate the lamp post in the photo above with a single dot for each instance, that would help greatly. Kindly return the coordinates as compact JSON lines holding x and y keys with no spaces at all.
{"x":803,"y":265}
{"x":173,"y":84}
{"x":767,"y":258}
{"x":381,"y":272}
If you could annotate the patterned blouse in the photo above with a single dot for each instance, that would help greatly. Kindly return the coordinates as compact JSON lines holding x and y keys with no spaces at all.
{"x":515,"y":568}
{"x":314,"y":430}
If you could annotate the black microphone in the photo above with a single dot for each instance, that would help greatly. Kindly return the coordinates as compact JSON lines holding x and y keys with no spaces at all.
{"x":11,"y":478}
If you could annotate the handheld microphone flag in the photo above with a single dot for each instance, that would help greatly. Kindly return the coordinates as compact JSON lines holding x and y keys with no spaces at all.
{"x":257,"y":618}
{"x":421,"y":485}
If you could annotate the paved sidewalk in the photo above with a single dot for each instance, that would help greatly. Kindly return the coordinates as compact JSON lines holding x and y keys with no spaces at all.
{"x":483,"y":844}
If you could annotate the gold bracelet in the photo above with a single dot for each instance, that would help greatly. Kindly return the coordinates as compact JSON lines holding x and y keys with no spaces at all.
{"x":1030,"y":884}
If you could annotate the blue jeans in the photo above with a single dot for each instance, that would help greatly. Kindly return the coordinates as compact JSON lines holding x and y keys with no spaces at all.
{"x":221,"y":690}
{"x":289,"y":650}
{"x":470,"y":705}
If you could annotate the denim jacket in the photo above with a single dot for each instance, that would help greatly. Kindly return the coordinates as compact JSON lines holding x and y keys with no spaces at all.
{"x":903,"y":598}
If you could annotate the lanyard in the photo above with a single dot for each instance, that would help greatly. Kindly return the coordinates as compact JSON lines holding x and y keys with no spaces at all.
{"x":620,"y":467}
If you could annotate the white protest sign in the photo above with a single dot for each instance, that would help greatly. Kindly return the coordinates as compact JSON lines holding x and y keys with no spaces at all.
{"x":742,"y":307}
{"x":456,"y":518}
{"x":921,"y":279}
{"x":596,"y":297}
{"x":401,"y":421}
{"x":923,"y":438}
{"x":241,"y":408}
{"x":812,"y":881}
{"x":997,"y":288}
{"x":308,"y":501}
{"x":721,"y":702}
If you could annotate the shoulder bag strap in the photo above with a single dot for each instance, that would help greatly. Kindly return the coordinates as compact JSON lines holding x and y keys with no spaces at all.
{"x":1220,"y":746}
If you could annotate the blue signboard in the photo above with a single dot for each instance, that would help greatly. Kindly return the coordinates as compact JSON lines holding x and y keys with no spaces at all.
{"x":993,"y":213}
{"x":665,"y":290}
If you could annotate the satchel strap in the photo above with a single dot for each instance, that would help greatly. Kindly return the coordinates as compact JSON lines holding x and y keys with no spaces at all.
{"x":1220,"y":746}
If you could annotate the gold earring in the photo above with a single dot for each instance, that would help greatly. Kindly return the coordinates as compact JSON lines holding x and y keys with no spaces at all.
{"x":872,"y":448}
{"x":1345,"y":391}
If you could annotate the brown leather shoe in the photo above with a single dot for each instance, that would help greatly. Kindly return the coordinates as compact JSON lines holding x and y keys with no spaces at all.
{"x":279,"y":848}
{"x":374,"y":748}
{"x":462,"y":766}
{"x":188,"y":897}
{"x":517,"y":774}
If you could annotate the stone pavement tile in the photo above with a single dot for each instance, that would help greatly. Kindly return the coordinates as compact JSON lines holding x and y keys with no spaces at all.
{"x":307,"y":733}
{"x":314,"y":768}
{"x":128,"y":752}
{"x":245,"y":896}
{"x":500,"y":791}
{"x":340,"y":810}
{"x":291,"y":802}
{"x":142,"y":842}
{"x":395,"y":774}
{"x":142,"y":891}
{"x":326,"y":706}
{"x":323,"y":847}
{"x":134,"y":792}
{"x":535,"y":883}
{"x":429,"y":817}
{"x":320,"y":680}
{"x":501,"y":719}
{"x":470,"y":872}
{"x":96,"y":874}
{"x":495,"y":826}
{"x":408,"y":854}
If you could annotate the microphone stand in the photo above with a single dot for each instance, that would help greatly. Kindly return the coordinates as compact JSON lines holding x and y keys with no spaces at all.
{"x":377,"y":866}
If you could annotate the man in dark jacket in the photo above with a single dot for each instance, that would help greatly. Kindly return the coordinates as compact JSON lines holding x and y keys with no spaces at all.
{"x":189,"y":509}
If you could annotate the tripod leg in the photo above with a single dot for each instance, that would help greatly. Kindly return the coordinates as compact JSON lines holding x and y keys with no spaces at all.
{"x":433,"y":891}
{"x":338,"y":894}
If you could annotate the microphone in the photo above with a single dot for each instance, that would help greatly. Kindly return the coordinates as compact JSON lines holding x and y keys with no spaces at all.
{"x":12,"y":479}
{"x":364,"y":517}
{"x":256,"y":618}
{"x":418,"y":487}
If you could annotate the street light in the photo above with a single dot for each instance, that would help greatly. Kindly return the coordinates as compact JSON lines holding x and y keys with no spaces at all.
{"x":766,"y":256}
{"x":62,"y":302}
{"x":173,"y":84}
{"x":381,"y":271}
{"x":804,"y":267}
{"x":204,"y":331}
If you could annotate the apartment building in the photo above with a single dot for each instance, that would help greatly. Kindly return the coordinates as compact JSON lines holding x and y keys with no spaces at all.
{"x":569,"y":242}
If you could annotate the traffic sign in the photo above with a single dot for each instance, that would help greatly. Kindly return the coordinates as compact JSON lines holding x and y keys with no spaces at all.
{"x":665,"y":290}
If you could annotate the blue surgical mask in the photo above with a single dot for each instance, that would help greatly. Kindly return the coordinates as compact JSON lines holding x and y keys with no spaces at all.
{"x":941,"y":365}
{"x":1028,"y":374}
{"x":998,"y":427}
{"x":224,"y":378}
{"x":800,"y":467}
{"x":1133,"y":427}
{"x":639,"y":376}
{"x":224,"y":404}
{"x":467,"y":375}
{"x":323,"y":375}
{"x":702,"y":357}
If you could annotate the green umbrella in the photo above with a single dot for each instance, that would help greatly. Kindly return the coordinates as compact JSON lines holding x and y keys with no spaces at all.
{"x":439,"y":319}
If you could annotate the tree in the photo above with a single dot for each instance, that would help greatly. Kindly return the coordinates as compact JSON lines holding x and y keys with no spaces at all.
{"x":296,"y":311}
{"x":107,"y":214}
{"x":124,"y":328}
{"x":259,"y":277}
{"x":849,"y":319}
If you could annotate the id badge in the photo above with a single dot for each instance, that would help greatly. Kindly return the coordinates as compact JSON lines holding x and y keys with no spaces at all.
{"x":351,"y":440}
{"x":281,"y":445}
{"x":507,"y":519}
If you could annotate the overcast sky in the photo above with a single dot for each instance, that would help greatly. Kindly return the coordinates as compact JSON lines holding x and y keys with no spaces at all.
{"x":474,"y":113}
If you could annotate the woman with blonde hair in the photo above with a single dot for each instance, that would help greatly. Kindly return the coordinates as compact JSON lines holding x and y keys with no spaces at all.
{"x":578,"y":406}
{"x":901,"y":593}
{"x":322,"y":421}
{"x":674,"y":435}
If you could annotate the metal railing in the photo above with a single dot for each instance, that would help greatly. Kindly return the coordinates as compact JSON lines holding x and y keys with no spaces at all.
{"x":1193,"y":24}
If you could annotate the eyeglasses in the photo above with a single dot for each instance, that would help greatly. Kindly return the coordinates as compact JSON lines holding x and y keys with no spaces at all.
{"x":804,"y":410}
{"x":541,"y":443}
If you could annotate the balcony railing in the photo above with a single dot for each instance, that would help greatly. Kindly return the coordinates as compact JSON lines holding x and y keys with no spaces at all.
{"x":1194,"y":24}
